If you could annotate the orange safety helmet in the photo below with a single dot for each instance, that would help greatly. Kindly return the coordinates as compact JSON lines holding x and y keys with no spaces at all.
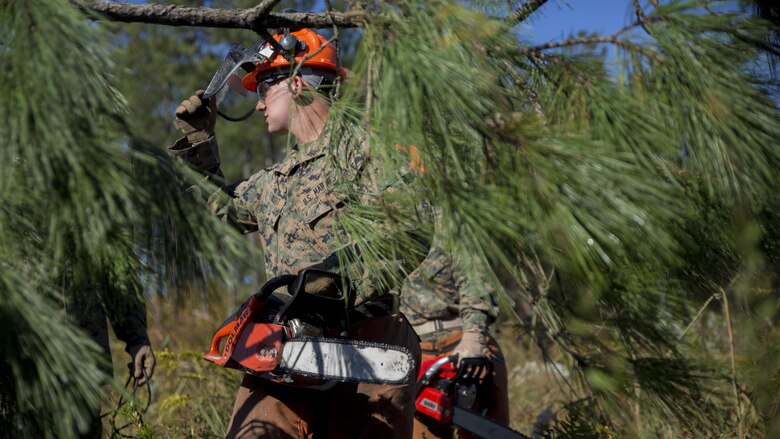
{"x":300,"y":44}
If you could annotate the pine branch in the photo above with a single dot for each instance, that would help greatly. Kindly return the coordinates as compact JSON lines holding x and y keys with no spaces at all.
{"x":535,"y":57}
{"x":254,"y":18}
{"x":336,"y":42}
{"x":612,"y":39}
{"x":640,"y":14}
{"x":526,"y":88}
{"x":524,"y":11}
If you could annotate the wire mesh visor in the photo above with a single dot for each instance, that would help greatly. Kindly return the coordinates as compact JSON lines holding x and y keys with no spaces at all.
{"x":225,"y":85}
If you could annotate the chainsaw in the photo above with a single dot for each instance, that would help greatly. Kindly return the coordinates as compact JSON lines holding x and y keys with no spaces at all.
{"x":451,"y":397}
{"x":301,"y":338}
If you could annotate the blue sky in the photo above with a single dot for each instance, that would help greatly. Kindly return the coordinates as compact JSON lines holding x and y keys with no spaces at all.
{"x":557,"y":19}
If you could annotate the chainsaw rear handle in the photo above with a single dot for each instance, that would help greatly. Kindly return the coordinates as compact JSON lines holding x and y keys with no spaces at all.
{"x":434,"y":369}
{"x":331,"y":309}
{"x":254,"y":302}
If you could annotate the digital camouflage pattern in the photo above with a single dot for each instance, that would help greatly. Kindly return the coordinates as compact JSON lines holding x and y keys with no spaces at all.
{"x":294,"y":207}
{"x":294,"y":204}
{"x":439,"y":290}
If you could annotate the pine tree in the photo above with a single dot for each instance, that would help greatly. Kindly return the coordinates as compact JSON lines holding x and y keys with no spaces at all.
{"x":82,"y":208}
{"x":622,"y":202}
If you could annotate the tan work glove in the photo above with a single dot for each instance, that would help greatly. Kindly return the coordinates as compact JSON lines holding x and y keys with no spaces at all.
{"x":195,"y":119}
{"x":322,"y":286}
{"x":143,"y":360}
{"x":472,"y":345}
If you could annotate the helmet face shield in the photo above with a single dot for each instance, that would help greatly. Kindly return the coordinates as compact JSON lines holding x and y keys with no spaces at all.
{"x":226,"y":87}
{"x":303,"y":51}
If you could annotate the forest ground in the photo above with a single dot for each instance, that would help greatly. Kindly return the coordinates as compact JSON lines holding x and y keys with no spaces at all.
{"x":193,"y":398}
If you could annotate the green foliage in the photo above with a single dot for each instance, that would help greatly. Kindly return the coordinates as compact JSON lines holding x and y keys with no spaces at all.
{"x":608,"y":176}
{"x":626,"y":202}
{"x":81,"y":211}
{"x":51,"y":380}
{"x":582,"y":422}
{"x":193,"y":397}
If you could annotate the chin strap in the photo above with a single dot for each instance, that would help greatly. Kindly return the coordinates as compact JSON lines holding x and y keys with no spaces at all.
{"x":237,"y":119}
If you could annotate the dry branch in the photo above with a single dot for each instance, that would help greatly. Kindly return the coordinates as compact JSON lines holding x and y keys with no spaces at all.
{"x":253,"y":18}
{"x":524,"y":11}
{"x":613,"y":39}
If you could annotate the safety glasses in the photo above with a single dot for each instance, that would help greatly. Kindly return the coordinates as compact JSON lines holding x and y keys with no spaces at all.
{"x":265,"y":84}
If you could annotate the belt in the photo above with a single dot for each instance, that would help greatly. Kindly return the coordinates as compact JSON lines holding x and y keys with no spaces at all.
{"x":437,"y":325}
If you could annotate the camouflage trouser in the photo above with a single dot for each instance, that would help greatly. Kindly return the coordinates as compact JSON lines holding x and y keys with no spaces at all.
{"x":348,"y":410}
{"x":91,"y":317}
{"x":441,"y":343}
{"x":91,"y":314}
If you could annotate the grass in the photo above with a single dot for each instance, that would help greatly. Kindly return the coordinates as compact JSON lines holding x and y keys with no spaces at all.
{"x":194,"y":398}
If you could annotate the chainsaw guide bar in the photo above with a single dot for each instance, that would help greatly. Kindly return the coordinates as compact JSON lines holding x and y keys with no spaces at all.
{"x":346,"y":360}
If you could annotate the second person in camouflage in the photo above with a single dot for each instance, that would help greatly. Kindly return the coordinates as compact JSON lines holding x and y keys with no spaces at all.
{"x":451,"y":313}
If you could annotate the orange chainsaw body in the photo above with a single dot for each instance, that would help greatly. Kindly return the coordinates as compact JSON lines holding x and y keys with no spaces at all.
{"x":253,"y":343}
{"x":254,"y":337}
{"x":255,"y":334}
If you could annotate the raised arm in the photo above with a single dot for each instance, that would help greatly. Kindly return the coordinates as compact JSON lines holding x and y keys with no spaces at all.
{"x":198,"y":148}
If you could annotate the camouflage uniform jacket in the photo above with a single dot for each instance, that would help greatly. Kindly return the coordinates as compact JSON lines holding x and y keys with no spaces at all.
{"x":89,"y":307}
{"x":294,"y":204}
{"x":439,"y":290}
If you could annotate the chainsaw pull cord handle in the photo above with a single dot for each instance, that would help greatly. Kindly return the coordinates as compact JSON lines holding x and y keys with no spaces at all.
{"x":258,"y":298}
{"x":426,"y":378}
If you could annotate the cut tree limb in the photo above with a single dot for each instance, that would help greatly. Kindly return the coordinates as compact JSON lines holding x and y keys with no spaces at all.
{"x":253,"y":18}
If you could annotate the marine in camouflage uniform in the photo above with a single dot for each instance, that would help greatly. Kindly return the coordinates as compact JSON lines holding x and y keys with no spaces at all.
{"x":90,"y":311}
{"x":295,"y":206}
{"x":451,"y":313}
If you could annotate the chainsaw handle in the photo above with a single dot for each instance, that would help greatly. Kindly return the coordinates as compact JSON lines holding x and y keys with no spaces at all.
{"x":426,"y":378}
{"x":213,"y":354}
{"x":274,"y":284}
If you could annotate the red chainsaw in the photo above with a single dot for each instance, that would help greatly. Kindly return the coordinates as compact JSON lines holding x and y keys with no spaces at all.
{"x":451,"y":396}
{"x":302,"y":337}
